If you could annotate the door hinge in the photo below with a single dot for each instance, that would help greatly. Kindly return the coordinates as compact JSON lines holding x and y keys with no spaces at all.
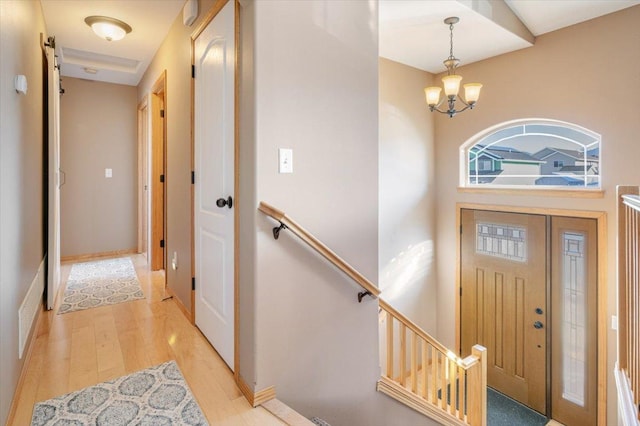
{"x":460,"y":291}
{"x":162,"y":113}
{"x":162,"y":243}
{"x":193,"y":71}
{"x":193,"y":283}
{"x":193,"y":177}
{"x":460,"y":229}
{"x":162,"y":178}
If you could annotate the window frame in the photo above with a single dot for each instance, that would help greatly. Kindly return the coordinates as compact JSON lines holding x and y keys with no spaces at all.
{"x":465,"y":180}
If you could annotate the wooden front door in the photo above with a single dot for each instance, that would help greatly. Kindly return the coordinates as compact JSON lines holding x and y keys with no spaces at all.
{"x":503,"y":300}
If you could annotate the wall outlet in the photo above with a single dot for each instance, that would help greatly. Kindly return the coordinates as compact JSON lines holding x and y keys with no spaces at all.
{"x":108,"y":173}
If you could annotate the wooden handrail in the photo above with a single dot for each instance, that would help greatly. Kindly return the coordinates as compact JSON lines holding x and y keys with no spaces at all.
{"x":431,"y":379}
{"x":435,"y":381}
{"x":413,"y":327}
{"x":318,"y":246}
{"x":632,"y":201}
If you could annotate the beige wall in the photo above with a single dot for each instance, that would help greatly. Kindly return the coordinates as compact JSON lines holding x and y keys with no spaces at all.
{"x":21,"y":177}
{"x":586,"y":74}
{"x":98,"y":131}
{"x":406,"y":240}
{"x":174,"y":56}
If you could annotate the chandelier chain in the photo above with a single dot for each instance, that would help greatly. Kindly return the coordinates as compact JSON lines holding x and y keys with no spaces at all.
{"x":451,"y":42}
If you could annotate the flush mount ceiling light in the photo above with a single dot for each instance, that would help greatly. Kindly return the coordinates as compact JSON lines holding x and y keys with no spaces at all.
{"x":107,"y":28}
{"x":451,"y":83}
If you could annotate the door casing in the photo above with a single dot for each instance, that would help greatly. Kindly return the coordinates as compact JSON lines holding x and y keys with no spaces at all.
{"x":158,"y":163}
{"x":601,"y":220}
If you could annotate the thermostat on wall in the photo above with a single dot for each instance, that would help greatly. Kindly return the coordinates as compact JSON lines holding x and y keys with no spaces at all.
{"x":190,"y":12}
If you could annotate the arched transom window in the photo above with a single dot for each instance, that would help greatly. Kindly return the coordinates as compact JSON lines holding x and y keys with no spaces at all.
{"x":532,"y":153}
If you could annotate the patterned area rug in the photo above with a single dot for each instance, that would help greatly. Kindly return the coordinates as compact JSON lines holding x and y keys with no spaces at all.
{"x":99,"y":283}
{"x":156,"y":396}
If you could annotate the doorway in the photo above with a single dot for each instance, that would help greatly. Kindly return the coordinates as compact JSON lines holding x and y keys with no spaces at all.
{"x":529,"y":294}
{"x":143,"y":179}
{"x":52,"y":121}
{"x":158,"y":177}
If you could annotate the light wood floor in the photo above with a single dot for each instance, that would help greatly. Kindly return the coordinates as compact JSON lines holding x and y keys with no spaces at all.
{"x":82,"y":348}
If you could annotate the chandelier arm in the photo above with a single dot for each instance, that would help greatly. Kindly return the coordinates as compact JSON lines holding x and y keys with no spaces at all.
{"x":463,"y":101}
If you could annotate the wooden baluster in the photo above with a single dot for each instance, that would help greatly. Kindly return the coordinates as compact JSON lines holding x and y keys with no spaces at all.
{"x":461,"y":392}
{"x":425,"y":368}
{"x":443,"y":368}
{"x":452,"y":386}
{"x":434,"y":375}
{"x":403,"y":353}
{"x":389,"y":345}
{"x":414,"y":362}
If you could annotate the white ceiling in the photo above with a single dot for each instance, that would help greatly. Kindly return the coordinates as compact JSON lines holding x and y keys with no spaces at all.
{"x":123,"y":61}
{"x":411,"y":31}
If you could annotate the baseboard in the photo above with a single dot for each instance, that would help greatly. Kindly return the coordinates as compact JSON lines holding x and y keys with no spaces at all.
{"x":114,"y":253}
{"x":627,"y":410}
{"x":286,"y":414}
{"x":178,"y":302}
{"x":256,"y":398}
{"x":25,"y":365}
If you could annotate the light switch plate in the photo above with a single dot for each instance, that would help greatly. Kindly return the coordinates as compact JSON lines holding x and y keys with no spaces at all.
{"x":285,"y":160}
{"x":108,"y":173}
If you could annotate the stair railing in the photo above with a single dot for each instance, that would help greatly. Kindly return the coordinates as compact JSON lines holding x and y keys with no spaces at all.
{"x":627,"y":372}
{"x":418,"y":369}
{"x":423,"y":374}
{"x":286,"y":222}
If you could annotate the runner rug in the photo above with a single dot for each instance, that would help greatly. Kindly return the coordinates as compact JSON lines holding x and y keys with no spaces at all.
{"x":99,"y":283}
{"x":156,"y":396}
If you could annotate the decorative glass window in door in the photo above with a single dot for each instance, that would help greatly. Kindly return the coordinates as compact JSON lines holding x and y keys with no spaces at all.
{"x":574,"y":318}
{"x":532,"y":153}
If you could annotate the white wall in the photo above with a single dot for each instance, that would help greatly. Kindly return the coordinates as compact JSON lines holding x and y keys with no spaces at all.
{"x":407,"y":194}
{"x":22,"y":209}
{"x":311,"y":84}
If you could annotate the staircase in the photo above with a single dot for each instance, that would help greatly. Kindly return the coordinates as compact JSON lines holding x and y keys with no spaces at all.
{"x":417,"y":370}
{"x":424,"y":375}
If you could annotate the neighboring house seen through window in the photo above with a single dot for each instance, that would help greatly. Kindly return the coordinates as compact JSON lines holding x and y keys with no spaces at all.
{"x":532,"y":153}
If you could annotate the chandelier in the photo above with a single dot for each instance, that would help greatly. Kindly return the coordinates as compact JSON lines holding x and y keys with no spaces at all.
{"x":451,"y":83}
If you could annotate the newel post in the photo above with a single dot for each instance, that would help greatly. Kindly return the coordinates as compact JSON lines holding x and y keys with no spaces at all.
{"x":477,"y":388}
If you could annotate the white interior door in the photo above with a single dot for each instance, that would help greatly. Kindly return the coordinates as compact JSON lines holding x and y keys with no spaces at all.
{"x":53,"y":249}
{"x":214,"y":181}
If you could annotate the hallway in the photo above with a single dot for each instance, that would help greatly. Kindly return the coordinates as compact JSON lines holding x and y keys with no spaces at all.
{"x":82,"y":348}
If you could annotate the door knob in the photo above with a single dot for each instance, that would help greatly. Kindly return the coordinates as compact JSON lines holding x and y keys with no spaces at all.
{"x":538,"y":324}
{"x":221,"y":202}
